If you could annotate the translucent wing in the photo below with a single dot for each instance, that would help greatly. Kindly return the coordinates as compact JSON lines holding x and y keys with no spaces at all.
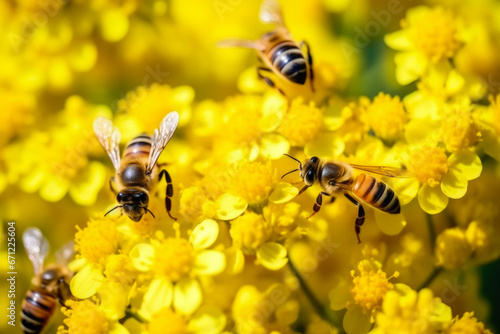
{"x":65,"y":253}
{"x":109,"y":137}
{"x":270,"y":12}
{"x":161,"y":138}
{"x":37,"y":247}
{"x":240,"y":43}
{"x":385,"y":170}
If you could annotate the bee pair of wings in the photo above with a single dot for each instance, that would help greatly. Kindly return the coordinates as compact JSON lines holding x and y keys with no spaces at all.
{"x":37,"y":248}
{"x":270,"y":12}
{"x":109,"y":137}
{"x":384,"y":170}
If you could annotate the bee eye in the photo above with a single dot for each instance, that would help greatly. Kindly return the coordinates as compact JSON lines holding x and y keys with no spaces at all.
{"x":314,"y":159}
{"x":142,"y":197}
{"x":120,"y":197}
{"x":310,"y":176}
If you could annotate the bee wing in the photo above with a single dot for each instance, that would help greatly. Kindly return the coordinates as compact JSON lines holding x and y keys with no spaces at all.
{"x":241,"y":43}
{"x":161,"y":138}
{"x":37,"y":247}
{"x":65,"y":253}
{"x":109,"y":137}
{"x":385,"y":170}
{"x":270,"y":12}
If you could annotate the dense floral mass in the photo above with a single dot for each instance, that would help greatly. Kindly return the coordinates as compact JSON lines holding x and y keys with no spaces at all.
{"x":410,"y":85}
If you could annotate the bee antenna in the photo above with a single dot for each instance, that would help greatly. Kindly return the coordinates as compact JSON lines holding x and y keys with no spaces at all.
{"x":300,"y":163}
{"x":289,"y":172}
{"x":116,"y":207}
{"x":147,"y":210}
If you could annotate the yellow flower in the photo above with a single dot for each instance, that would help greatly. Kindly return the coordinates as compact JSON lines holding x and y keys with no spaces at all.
{"x":177,"y":263}
{"x":208,"y":319}
{"x":429,"y":35}
{"x":467,"y":324}
{"x":253,"y":182}
{"x":98,"y":240}
{"x":386,"y":117}
{"x":409,"y":311}
{"x":452,"y":248}
{"x":85,"y":317}
{"x":302,"y":123}
{"x":442,"y":176}
{"x":459,"y":130}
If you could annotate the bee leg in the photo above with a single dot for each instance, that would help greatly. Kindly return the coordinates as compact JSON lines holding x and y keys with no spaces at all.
{"x":63,"y":292}
{"x":267,"y":80}
{"x":361,"y":216}
{"x":303,"y":189}
{"x":169,"y":192}
{"x":111,"y":181}
{"x":319,"y":202}
{"x":310,"y":62}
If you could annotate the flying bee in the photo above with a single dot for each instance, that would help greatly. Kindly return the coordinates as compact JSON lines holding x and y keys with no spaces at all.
{"x":277,"y":50}
{"x":137,"y":173}
{"x":338,"y":177}
{"x":50,"y":284}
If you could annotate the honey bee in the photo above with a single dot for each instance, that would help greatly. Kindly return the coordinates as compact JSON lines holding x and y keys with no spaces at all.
{"x":137,"y":173}
{"x":50,"y":284}
{"x":338,"y":177}
{"x":277,"y":50}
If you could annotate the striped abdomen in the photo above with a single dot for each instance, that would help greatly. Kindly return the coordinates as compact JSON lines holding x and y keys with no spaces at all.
{"x":376,"y":193}
{"x":287,"y":58}
{"x":37,"y":308}
{"x":139,"y":146}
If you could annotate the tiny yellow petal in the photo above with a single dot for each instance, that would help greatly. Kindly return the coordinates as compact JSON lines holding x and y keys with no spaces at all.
{"x":230,"y":206}
{"x":356,"y":321}
{"x":113,"y":299}
{"x":187,"y":296}
{"x":142,"y":256}
{"x":204,"y":234}
{"x":454,"y":185}
{"x":273,"y":145}
{"x":235,"y":260}
{"x":432,"y":200}
{"x":87,"y":281}
{"x":272,"y":255}
{"x":467,"y":163}
{"x":207,"y":320}
{"x":209,"y":262}
{"x":390,"y":224}
{"x":317,"y":147}
{"x":117,"y":328}
{"x":283,"y":192}
{"x":158,"y":296}
{"x":398,"y":40}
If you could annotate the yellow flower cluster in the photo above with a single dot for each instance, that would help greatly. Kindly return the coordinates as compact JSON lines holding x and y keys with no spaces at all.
{"x":400,"y":112}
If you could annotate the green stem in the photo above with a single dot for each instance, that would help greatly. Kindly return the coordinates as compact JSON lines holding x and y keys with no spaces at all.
{"x":318,"y":307}
{"x":129,"y":314}
{"x":431,"y":278}
{"x":432,"y":231}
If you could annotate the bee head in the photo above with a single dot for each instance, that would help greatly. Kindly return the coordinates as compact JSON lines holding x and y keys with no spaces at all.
{"x":134,"y":203}
{"x":50,"y":277}
{"x":308,"y":170}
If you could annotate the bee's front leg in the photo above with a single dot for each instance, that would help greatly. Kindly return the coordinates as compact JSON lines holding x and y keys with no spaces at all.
{"x":361,"y":216}
{"x":319,"y":202}
{"x":169,"y":191}
{"x":63,"y":291}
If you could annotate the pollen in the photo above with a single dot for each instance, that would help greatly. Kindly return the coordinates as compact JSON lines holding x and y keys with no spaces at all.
{"x":459,"y":130}
{"x":386,"y":117}
{"x":174,"y":258}
{"x":98,"y":240}
{"x":253,"y":181}
{"x":250,"y":231}
{"x":83,"y":317}
{"x":452,"y":248}
{"x":468,"y":324}
{"x":433,"y":32}
{"x":302,"y":123}
{"x":167,"y":322}
{"x":370,"y":287}
{"x":429,"y":164}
